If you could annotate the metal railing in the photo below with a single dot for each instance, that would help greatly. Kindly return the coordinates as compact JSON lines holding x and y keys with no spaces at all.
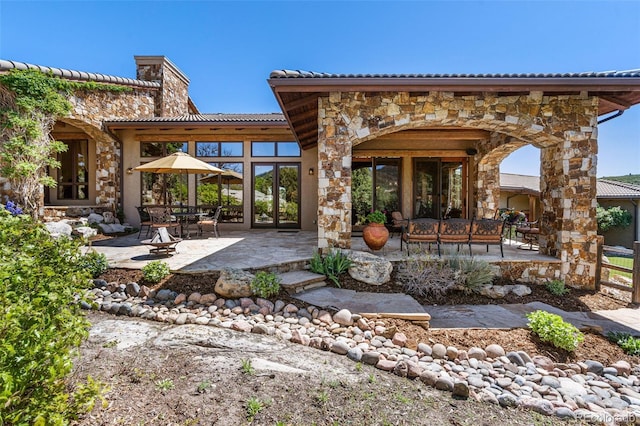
{"x":634,"y":270}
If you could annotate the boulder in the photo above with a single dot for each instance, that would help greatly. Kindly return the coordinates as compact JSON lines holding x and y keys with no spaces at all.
{"x":86,"y":232}
{"x":369,"y":268}
{"x":234,"y":283}
{"x":95,"y":218}
{"x":58,"y":229}
{"x":113,"y":228}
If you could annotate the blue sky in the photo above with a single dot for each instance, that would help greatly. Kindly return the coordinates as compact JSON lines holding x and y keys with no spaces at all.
{"x":228,"y":49}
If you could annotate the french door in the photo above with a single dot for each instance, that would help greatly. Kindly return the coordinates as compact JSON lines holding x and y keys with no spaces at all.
{"x":275,"y":195}
{"x":439,"y":188}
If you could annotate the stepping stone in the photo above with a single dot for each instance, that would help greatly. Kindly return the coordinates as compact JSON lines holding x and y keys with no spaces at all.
{"x":357,"y":302}
{"x":297,"y":281}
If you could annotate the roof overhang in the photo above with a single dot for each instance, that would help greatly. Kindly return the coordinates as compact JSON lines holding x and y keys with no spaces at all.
{"x":297,"y":92}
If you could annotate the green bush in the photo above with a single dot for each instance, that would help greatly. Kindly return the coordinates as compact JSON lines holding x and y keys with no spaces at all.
{"x":94,"y":263}
{"x":41,"y":325}
{"x":556,"y":287}
{"x":551,"y":328}
{"x":613,"y":217}
{"x":265,"y":284}
{"x":331,"y":265}
{"x":628,"y":343}
{"x":155,"y":271}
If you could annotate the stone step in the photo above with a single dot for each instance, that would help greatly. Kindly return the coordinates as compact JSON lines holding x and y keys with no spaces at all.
{"x":298,"y":281}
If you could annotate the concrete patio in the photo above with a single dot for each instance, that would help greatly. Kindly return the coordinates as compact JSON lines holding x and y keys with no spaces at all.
{"x":268,"y":248}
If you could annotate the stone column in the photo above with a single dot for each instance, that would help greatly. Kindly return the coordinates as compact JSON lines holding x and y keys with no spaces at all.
{"x":486,"y":180}
{"x":568,"y":193}
{"x":334,"y":176}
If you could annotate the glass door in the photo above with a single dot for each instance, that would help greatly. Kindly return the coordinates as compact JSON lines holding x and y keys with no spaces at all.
{"x":375,"y":185}
{"x":426,"y":186}
{"x":276,"y":195}
{"x":439,"y":188}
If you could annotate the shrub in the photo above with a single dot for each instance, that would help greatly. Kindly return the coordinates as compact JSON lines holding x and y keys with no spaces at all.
{"x":628,"y":343}
{"x":41,"y":324}
{"x":473,"y":273}
{"x":556,"y":287}
{"x":427,"y":277}
{"x":155,"y":271}
{"x":376,"y":217}
{"x":331,"y":265}
{"x":613,"y":217}
{"x":94,"y":263}
{"x":265,"y":284}
{"x":551,"y":328}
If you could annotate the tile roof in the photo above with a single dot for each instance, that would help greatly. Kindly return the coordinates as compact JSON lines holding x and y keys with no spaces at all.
{"x":6,"y":65}
{"x":210,"y":118}
{"x":604,"y":188}
{"x":614,"y":189}
{"x":590,"y":74}
{"x":523,"y":183}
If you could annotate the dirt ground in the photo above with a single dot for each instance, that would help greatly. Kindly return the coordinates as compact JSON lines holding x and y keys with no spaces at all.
{"x":219,"y":377}
{"x":218,"y":392}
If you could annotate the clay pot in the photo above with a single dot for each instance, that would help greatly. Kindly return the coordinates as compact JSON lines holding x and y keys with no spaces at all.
{"x":375,"y":235}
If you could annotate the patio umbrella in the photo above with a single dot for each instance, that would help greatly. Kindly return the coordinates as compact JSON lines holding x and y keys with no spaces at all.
{"x":178,"y":163}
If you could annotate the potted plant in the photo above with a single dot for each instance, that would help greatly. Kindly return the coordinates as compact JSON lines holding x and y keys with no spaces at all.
{"x":375,"y":234}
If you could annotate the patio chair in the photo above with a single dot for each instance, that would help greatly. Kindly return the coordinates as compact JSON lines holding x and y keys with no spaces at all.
{"x":454,"y":231}
{"x":397,"y":222}
{"x":420,"y":231}
{"x":145,"y":220}
{"x":210,"y":221}
{"x":487,"y":231}
{"x":529,"y":232}
{"x":161,"y":218}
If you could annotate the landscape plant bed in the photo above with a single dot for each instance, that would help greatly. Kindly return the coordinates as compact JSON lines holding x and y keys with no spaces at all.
{"x":595,"y":347}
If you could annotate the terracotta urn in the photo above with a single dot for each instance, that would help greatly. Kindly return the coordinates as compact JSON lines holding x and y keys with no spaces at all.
{"x":375,"y":235}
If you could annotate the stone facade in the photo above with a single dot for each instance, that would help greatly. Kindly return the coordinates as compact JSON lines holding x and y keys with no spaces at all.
{"x":91,"y":108}
{"x":562,"y":126}
{"x":174,"y":95}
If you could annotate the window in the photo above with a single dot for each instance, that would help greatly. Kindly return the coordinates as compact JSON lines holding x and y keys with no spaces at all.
{"x":73,"y":175}
{"x":160,"y":149}
{"x":226,"y":189}
{"x":219,"y":149}
{"x":163,"y":189}
{"x":275,"y":149}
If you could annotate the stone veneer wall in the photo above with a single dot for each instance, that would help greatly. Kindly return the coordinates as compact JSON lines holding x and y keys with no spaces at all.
{"x":562,"y":126}
{"x":173,"y":99}
{"x":92,"y":108}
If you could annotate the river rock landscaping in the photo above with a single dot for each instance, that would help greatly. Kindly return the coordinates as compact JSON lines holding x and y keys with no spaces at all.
{"x":587,"y":390}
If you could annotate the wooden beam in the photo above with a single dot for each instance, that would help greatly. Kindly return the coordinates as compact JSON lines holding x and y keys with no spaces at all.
{"x":307,"y":126}
{"x":616,"y":102}
{"x":309,"y":133}
{"x":439,"y":134}
{"x":303,"y":101}
{"x":409,"y":153}
{"x":297,"y":118}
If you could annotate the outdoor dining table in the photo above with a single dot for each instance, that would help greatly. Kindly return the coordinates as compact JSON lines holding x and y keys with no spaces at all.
{"x":183,"y":218}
